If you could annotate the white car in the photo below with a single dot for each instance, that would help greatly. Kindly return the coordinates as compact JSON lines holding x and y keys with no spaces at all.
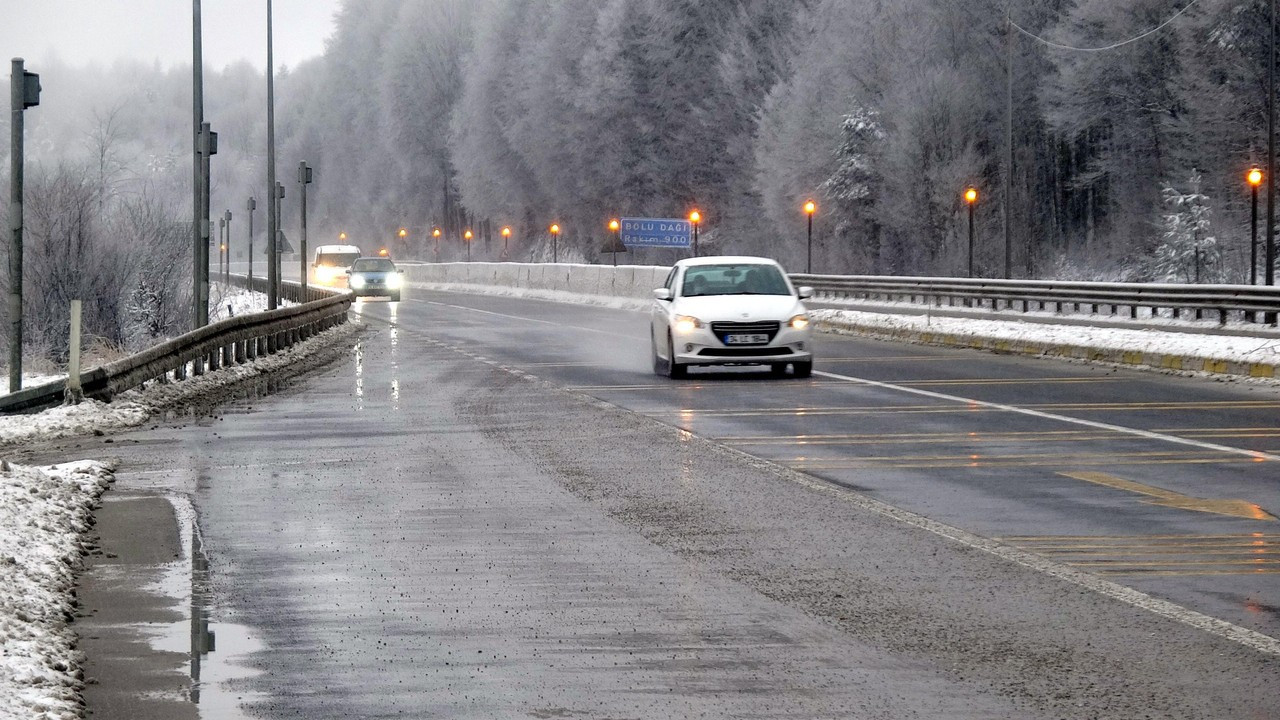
{"x":730,"y":311}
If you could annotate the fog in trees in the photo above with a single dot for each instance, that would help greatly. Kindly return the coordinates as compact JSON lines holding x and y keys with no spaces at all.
{"x":474,"y":114}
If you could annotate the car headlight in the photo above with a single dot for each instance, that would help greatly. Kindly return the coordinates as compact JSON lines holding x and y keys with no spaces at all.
{"x":394,"y":281}
{"x":324,"y":273}
{"x":356,"y":282}
{"x":799,"y":322}
{"x":687,"y":323}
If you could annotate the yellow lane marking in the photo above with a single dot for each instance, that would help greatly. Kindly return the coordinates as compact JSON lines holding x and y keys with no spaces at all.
{"x":976,"y":437}
{"x":1160,"y":555}
{"x":1260,"y":562}
{"x":895,"y":438}
{"x":1019,"y":539}
{"x":968,"y":407}
{"x":1168,"y":498}
{"x":998,"y":463}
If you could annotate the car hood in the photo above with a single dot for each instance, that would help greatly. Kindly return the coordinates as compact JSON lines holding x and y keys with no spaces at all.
{"x":740,"y":308}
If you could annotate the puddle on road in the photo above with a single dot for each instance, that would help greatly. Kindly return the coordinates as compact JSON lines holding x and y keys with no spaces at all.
{"x":218,"y":653}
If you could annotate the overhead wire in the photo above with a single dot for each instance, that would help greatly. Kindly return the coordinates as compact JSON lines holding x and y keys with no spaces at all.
{"x":1112,"y":46}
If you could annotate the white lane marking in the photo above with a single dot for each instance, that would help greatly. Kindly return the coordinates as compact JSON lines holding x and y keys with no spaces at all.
{"x":524,"y":319}
{"x":1147,"y":434}
{"x":1136,"y":598}
{"x":1039,"y":563}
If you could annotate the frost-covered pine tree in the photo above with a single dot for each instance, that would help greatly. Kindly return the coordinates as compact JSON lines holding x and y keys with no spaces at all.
{"x":1187,"y":251}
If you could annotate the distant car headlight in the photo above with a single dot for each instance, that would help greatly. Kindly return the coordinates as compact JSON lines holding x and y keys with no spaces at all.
{"x":394,"y":281}
{"x":687,"y":323}
{"x":324,"y":273}
{"x":799,"y":322}
{"x":356,"y":282}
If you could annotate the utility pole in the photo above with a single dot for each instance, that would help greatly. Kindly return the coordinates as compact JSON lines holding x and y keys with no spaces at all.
{"x":304,"y":179}
{"x":1008,"y":139}
{"x":24,"y":92}
{"x":250,"y":207}
{"x":200,"y":308}
{"x":273,"y":216}
{"x":1270,"y":269}
{"x":208,"y":147}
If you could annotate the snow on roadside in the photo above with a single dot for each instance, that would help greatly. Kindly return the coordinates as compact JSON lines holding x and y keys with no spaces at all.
{"x":28,"y":380}
{"x":1236,"y":348}
{"x":132,"y":408}
{"x":44,"y":513}
{"x":231,"y":301}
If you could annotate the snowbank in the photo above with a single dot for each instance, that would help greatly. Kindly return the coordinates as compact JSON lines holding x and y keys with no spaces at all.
{"x":43,"y":515}
{"x":1137,"y":346}
{"x":132,"y":408}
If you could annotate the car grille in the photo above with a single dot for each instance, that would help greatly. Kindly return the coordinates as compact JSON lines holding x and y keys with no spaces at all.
{"x":720,"y":329}
{"x":756,"y":351}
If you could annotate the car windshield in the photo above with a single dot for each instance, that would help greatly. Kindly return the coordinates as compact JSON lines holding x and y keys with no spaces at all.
{"x":373,"y":265}
{"x":736,"y":279}
{"x":337,"y":259}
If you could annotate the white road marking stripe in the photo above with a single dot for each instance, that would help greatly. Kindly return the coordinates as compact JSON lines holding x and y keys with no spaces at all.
{"x":1161,"y":437}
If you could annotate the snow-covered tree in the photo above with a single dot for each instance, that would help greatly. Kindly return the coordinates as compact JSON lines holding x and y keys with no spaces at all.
{"x":1187,"y":252}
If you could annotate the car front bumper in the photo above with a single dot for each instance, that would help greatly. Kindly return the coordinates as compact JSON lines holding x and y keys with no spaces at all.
{"x":701,"y":347}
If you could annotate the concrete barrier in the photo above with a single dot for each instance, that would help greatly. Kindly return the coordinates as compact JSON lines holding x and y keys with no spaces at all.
{"x":624,"y":285}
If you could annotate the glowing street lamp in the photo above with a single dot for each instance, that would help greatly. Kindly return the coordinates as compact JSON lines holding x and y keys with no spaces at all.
{"x":810,"y":207}
{"x":555,"y":236}
{"x":506,"y":236}
{"x":342,"y":236}
{"x":971,"y":199}
{"x":695,"y":218}
{"x":466,"y":236}
{"x":616,"y":228}
{"x":435,"y":233}
{"x":1254,"y":178}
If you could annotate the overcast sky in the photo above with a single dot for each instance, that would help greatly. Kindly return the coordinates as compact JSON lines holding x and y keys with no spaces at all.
{"x":80,"y":32}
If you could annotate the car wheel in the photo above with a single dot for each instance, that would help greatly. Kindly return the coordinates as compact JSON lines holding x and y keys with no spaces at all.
{"x":674,"y":369}
{"x":777,"y":369}
{"x":803,"y":369}
{"x":659,"y":367}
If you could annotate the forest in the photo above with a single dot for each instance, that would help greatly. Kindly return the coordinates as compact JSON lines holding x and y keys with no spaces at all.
{"x":1132,"y":126}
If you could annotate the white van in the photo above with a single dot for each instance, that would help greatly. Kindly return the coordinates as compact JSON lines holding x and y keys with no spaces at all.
{"x":331,"y":264}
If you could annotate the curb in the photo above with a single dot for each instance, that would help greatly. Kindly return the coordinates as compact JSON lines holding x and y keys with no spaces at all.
{"x":1133,"y":358}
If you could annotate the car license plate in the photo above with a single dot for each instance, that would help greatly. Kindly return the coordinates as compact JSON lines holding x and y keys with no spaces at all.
{"x":752,"y":339}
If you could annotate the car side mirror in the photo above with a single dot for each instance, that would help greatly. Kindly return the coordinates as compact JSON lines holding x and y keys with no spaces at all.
{"x":805,"y":292}
{"x":348,"y":271}
{"x":662,"y":293}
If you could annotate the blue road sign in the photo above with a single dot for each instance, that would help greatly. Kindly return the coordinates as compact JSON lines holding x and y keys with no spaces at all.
{"x":656,"y":232}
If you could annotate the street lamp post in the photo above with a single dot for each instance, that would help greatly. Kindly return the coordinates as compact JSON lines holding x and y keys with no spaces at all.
{"x":506,"y":236}
{"x":555,"y":236}
{"x":304,"y":179}
{"x":466,"y":236}
{"x":222,"y":244}
{"x":971,"y":199}
{"x":435,"y":233}
{"x":810,"y":207}
{"x":616,"y":227}
{"x":226,"y":215}
{"x":1254,"y":178}
{"x":249,"y":208}
{"x":695,"y":218}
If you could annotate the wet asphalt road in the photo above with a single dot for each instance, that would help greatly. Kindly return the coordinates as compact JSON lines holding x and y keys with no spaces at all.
{"x":494,"y":509}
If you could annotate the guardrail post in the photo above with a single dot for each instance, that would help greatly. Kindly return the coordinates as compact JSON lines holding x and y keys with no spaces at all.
{"x":228,"y":355}
{"x":213,"y":360}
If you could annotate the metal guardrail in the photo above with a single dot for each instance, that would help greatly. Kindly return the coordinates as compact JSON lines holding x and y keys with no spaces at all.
{"x":1252,"y":303}
{"x":227,"y":342}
